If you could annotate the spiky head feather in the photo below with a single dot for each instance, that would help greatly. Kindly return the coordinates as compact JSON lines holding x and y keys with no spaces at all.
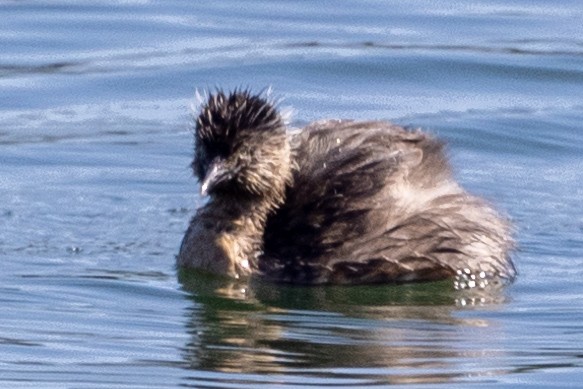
{"x":225,"y":115}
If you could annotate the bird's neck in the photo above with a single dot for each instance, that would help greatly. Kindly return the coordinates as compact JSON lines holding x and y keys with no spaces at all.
{"x":238,"y":226}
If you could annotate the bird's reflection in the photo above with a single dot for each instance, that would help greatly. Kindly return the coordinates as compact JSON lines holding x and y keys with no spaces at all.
{"x":388,"y":334}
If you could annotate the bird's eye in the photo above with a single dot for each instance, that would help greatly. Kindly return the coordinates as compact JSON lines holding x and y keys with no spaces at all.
{"x":213,"y":150}
{"x":221,"y":150}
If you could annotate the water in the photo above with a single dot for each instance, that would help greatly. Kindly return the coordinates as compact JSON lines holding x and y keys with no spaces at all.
{"x":95,"y":191}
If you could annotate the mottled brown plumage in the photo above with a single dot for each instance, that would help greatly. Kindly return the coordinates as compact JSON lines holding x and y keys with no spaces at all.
{"x":337,"y":202}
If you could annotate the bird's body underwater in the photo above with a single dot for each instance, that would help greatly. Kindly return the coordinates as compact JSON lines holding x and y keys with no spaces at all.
{"x":338,"y":202}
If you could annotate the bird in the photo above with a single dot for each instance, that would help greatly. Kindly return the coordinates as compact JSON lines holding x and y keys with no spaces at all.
{"x":336,"y":202}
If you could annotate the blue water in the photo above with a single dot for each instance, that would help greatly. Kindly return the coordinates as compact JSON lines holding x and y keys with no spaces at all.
{"x":96,"y":191}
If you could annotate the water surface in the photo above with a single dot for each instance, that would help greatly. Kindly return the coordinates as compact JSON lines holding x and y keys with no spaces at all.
{"x":96,"y":192}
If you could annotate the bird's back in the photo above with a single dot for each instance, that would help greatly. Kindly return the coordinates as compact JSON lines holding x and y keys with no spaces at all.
{"x":373,"y":202}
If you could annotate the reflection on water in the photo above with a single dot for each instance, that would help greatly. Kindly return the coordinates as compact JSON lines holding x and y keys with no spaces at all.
{"x":374,"y":334}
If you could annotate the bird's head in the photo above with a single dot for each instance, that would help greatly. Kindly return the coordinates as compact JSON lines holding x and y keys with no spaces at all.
{"x":241,"y":146}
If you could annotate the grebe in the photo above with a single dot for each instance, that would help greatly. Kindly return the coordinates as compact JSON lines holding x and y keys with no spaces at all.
{"x":341,"y":202}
